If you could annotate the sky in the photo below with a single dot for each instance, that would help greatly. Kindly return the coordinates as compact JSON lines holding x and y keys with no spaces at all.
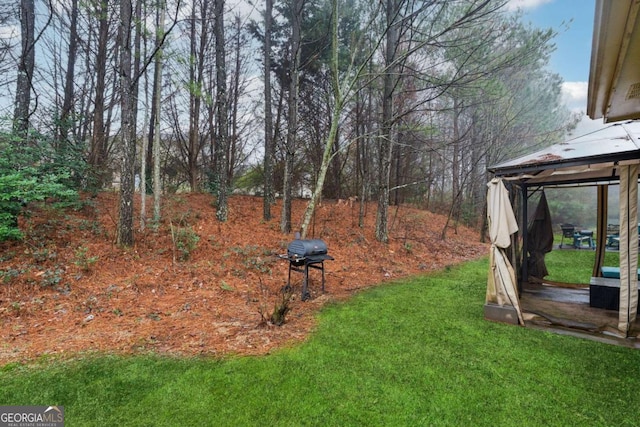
{"x":573,"y":21}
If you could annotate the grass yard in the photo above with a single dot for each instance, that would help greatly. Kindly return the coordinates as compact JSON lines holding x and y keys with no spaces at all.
{"x":415,"y":353}
{"x":576,"y":265}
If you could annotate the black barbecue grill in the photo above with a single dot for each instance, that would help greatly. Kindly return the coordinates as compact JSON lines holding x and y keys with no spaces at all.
{"x":303,"y":254}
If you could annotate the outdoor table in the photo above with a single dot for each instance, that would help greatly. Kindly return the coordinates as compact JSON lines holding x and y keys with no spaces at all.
{"x":583,"y":236}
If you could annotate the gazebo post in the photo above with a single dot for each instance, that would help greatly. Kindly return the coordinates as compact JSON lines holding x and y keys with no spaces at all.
{"x":525,"y":238}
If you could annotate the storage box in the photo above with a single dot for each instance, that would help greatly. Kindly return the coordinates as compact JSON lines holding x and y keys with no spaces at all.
{"x":605,"y":293}
{"x":605,"y":296}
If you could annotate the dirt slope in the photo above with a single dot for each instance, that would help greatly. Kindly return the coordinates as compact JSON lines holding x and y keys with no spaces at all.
{"x":67,"y":288}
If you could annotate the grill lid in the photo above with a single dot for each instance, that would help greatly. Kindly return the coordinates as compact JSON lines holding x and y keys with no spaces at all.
{"x":302,"y":248}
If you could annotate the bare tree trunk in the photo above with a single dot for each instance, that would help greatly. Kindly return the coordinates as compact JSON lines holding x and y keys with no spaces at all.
{"x":386,"y":147}
{"x":98,"y":151}
{"x":477,"y":177}
{"x":269,"y":143}
{"x":364,"y":153}
{"x":194,"y":100}
{"x":135,"y":73}
{"x":455,"y":163}
{"x":26,"y":65}
{"x":196,"y":73}
{"x":143,"y":163}
{"x":157,"y":96}
{"x":287,"y":193}
{"x":360,"y":157}
{"x":145,"y":140}
{"x":69,"y":82}
{"x":397,"y":156}
{"x":125,"y":220}
{"x":294,"y":73}
{"x":234,"y":100}
{"x":222,"y":113}
{"x":87,"y":87}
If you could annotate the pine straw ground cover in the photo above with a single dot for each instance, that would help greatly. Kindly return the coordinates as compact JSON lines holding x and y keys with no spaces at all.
{"x":193,"y":285}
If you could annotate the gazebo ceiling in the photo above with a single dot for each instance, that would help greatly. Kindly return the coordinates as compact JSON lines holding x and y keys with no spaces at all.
{"x":614,"y":77}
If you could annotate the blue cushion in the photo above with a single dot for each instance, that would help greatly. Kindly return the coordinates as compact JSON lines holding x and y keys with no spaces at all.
{"x":613,"y":272}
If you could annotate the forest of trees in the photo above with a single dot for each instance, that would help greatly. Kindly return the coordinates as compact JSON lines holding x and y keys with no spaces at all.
{"x":395,"y":101}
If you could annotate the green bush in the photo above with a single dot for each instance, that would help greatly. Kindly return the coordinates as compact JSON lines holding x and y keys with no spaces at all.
{"x":185,"y":241}
{"x":82,"y":260}
{"x":27,"y":175}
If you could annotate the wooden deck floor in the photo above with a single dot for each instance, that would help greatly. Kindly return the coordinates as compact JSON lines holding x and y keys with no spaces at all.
{"x":566,"y":310}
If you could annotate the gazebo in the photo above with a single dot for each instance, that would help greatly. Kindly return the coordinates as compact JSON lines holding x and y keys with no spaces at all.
{"x":605,"y":157}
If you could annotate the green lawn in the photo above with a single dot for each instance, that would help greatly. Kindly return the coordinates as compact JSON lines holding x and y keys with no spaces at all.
{"x":576,"y":265}
{"x":415,"y":353}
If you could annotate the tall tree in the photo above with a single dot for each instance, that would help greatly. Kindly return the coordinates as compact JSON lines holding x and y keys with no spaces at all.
{"x":339,"y":100}
{"x":344,"y":85}
{"x":144,"y":150}
{"x":136,"y":73}
{"x":221,"y":113}
{"x":501,"y":62}
{"x":390,"y":78}
{"x":69,"y":82}
{"x":269,"y":143}
{"x":98,"y":150}
{"x":157,"y":97}
{"x":26,"y":65}
{"x":295,"y":53}
{"x":198,"y":47}
{"x":238,"y":121}
{"x":128,"y":147}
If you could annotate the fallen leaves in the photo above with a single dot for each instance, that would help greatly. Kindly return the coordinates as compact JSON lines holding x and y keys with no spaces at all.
{"x":140,"y":299}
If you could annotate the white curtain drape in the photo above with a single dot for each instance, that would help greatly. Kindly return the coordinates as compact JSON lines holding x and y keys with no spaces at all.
{"x":628,"y":247}
{"x":501,"y":281}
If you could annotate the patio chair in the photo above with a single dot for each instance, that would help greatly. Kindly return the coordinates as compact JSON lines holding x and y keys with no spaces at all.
{"x":568,"y":230}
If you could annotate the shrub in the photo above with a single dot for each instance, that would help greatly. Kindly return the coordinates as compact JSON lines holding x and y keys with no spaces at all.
{"x":6,"y":276}
{"x":26,"y":175}
{"x":185,"y":241}
{"x":82,"y":260}
{"x":281,"y":307}
{"x":52,"y":277}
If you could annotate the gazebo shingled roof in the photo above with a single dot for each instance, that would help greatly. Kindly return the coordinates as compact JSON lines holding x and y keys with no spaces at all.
{"x":594,"y":158}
